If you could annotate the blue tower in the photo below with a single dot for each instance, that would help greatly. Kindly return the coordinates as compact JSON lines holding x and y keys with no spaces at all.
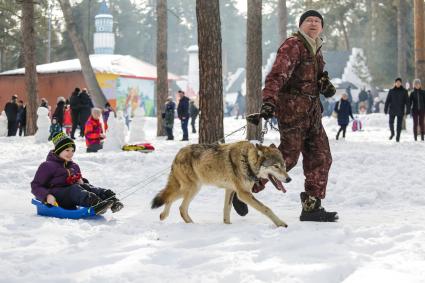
{"x":104,"y":39}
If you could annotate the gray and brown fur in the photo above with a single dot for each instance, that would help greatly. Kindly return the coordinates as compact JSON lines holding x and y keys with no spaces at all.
{"x":234,"y":167}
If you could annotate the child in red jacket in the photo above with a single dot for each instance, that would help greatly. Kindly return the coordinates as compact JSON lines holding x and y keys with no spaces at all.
{"x":93,"y":131}
{"x":67,"y":119}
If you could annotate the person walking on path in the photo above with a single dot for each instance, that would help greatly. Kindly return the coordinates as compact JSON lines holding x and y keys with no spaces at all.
{"x":183,"y":114}
{"x":397,"y":105}
{"x":344,"y":112}
{"x":417,"y":108}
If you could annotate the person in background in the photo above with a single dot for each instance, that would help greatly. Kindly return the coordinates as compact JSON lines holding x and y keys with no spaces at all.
{"x":75,"y":105}
{"x":55,"y":128}
{"x":59,"y":111}
{"x":86,"y":105}
{"x":240,"y":104}
{"x":397,"y":105}
{"x":93,"y":131}
{"x":105,"y":114}
{"x":67,"y":119}
{"x":344,"y":112}
{"x":183,"y":113}
{"x":417,"y":108}
{"x":11,"y":110}
{"x":22,"y":117}
{"x":194,"y":112}
{"x":168,"y":117}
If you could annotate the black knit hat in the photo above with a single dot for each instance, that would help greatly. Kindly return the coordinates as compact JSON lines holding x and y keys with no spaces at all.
{"x":62,"y":142}
{"x":310,"y":13}
{"x":398,"y":79}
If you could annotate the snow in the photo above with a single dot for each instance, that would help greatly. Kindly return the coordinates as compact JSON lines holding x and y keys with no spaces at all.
{"x":375,"y":184}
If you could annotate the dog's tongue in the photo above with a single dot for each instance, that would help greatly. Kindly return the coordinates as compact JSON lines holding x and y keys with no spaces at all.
{"x":278,"y":184}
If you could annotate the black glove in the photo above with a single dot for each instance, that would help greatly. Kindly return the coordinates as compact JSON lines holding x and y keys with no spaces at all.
{"x":267,"y":110}
{"x":325,"y":85}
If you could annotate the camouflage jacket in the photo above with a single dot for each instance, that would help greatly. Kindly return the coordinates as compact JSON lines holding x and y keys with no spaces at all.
{"x":293,"y":84}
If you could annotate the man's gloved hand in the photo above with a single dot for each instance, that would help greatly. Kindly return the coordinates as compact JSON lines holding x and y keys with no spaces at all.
{"x":325,"y":85}
{"x":267,"y":110}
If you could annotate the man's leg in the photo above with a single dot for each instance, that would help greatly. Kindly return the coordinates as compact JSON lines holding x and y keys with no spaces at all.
{"x":184,"y":129}
{"x":399,"y":126}
{"x":422,"y":123}
{"x":75,"y":121}
{"x":416,"y":121}
{"x":317,"y":160}
{"x":193,"y":121}
{"x":391,"y":122}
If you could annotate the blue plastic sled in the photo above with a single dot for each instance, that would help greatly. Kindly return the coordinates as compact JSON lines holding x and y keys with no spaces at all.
{"x":59,"y":212}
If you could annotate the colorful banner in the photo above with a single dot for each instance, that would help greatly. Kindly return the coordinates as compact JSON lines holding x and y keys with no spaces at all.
{"x":128,"y":94}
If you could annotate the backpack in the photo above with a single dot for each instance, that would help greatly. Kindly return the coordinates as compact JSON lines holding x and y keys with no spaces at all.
{"x":357,"y":125}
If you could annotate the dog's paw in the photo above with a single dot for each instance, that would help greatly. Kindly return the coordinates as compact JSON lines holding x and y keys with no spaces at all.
{"x":282,"y":224}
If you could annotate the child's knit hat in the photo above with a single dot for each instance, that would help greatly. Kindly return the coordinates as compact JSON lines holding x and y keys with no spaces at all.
{"x":62,"y":142}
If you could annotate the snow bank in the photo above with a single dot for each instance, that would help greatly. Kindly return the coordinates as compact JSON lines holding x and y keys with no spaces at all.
{"x":375,"y":184}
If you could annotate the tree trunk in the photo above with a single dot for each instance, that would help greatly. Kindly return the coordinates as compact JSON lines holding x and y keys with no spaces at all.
{"x":161,"y":62}
{"x":31,"y":80}
{"x":402,"y":39}
{"x":253,"y":65}
{"x":345,"y":33}
{"x":283,"y":19}
{"x":419,"y":40}
{"x":210,"y":71}
{"x":81,"y":50}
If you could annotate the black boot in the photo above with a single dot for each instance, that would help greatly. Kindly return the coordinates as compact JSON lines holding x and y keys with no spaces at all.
{"x":117,"y":205}
{"x":391,"y":137}
{"x":240,"y":207}
{"x":313,"y":211}
{"x":100,"y":206}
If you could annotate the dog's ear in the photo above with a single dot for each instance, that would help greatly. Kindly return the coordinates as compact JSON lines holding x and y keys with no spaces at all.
{"x":273,"y":146}
{"x":259,"y":148}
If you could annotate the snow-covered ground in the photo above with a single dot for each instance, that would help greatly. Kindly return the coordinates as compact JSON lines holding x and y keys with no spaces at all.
{"x":376,"y":185}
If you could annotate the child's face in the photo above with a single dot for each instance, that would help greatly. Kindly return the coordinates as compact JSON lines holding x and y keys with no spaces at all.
{"x":67,"y":154}
{"x":96,"y":115}
{"x":53,"y":121}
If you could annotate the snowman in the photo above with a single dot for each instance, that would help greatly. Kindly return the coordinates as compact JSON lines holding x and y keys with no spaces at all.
{"x":137,"y":133}
{"x":43,"y":125}
{"x":116,"y":136}
{"x":3,"y":124}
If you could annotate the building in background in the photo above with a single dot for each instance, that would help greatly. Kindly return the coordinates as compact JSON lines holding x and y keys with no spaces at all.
{"x":104,"y":38}
{"x":127,"y":83}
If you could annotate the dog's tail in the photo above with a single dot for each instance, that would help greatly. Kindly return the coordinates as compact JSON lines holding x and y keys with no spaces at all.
{"x":166,"y":195}
{"x":158,"y":200}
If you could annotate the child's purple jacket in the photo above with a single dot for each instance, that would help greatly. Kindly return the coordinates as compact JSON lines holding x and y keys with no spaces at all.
{"x":52,"y":175}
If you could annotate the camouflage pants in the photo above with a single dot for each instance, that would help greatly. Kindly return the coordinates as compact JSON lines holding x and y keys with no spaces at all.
{"x":314,"y":145}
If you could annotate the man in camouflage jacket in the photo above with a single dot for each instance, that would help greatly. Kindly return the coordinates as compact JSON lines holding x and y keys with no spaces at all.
{"x":291,"y":93}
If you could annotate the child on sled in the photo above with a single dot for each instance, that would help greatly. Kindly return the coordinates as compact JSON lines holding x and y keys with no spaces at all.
{"x":58,"y":181}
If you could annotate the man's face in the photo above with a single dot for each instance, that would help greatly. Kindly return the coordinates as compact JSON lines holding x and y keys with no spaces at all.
{"x":397,"y":83}
{"x":417,"y":85}
{"x":312,"y":26}
{"x":181,"y":94}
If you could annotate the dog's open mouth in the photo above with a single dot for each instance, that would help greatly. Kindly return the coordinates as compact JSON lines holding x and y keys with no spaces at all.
{"x":277,"y":183}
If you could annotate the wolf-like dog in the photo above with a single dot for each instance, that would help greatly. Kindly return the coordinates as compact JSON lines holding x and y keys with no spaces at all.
{"x":236,"y":167}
